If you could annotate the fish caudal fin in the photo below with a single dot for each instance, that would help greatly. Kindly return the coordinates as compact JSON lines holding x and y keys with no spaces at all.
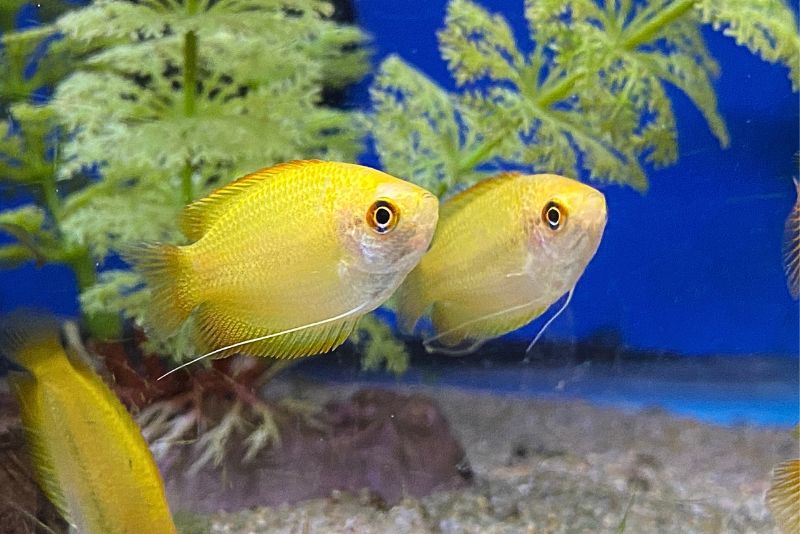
{"x":412,"y":303}
{"x":783,"y":496}
{"x":168,"y":274}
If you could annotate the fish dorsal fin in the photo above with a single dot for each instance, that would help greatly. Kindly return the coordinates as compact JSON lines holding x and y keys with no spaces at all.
{"x":201,"y":214}
{"x":462,"y":198}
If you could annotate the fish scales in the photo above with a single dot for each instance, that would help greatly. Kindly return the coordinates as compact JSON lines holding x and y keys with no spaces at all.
{"x":90,"y":457}
{"x":285,"y":260}
{"x":496,"y":263}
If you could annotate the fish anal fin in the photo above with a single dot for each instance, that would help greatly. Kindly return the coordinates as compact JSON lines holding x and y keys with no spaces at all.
{"x":218,"y":327}
{"x":201,"y":214}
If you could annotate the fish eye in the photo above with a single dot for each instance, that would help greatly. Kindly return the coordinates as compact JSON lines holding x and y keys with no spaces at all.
{"x":382,"y":216}
{"x":554,"y":215}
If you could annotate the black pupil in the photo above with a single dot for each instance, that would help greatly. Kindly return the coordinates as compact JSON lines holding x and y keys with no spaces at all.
{"x":383,"y":215}
{"x":553,"y":216}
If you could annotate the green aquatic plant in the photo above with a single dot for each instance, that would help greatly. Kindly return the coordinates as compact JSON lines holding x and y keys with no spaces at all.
{"x":154,"y":104}
{"x":167,"y":101}
{"x":589,"y":98}
{"x":10,"y":11}
{"x":191,"y":89}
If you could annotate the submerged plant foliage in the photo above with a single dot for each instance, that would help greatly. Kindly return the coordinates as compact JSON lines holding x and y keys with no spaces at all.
{"x":589,"y":98}
{"x":166,"y":100}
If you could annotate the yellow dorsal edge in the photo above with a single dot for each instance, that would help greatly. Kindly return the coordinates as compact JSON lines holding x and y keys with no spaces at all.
{"x":463,"y":198}
{"x":201,"y":214}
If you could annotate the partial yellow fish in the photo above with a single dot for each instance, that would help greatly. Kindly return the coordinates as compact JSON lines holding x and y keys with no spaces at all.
{"x":783,"y":496}
{"x":504,"y":251}
{"x":88,"y":454}
{"x":290,"y":256}
{"x":791,"y":246}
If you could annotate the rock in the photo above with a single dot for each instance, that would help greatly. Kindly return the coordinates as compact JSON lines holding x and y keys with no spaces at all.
{"x":390,"y":444}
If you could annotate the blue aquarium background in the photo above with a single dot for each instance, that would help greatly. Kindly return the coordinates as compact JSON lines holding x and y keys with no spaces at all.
{"x":691,"y":267}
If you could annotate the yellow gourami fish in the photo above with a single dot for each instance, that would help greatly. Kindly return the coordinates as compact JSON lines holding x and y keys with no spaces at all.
{"x":504,"y":251}
{"x":89,"y":456}
{"x":783,"y":496}
{"x":791,"y":246}
{"x":287,"y":259}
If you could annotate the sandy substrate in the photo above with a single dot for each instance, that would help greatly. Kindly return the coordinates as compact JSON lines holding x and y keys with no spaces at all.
{"x":562,"y":466}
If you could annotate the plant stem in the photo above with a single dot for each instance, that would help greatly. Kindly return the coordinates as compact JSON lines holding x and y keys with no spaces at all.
{"x":186,"y":183}
{"x":649,"y":29}
{"x":189,"y":73}
{"x":482,"y":152}
{"x":79,"y":259}
{"x":189,"y":97}
{"x":51,"y":200}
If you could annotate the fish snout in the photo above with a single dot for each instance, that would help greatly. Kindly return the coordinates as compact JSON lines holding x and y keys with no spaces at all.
{"x":429,"y":212}
{"x":596,"y":211}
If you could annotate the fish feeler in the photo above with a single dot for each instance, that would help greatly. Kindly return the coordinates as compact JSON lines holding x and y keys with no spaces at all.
{"x":427,"y":342}
{"x":268,"y":336}
{"x":550,"y":320}
{"x":457,"y":352}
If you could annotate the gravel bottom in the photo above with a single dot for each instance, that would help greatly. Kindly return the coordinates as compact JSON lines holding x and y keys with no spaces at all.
{"x":561,"y":467}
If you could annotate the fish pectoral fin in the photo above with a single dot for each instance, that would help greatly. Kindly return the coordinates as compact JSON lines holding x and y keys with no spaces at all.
{"x":218,"y":327}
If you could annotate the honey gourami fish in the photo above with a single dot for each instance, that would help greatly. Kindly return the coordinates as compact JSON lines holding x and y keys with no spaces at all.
{"x":88,"y":454}
{"x":291,"y":256}
{"x":504,"y":251}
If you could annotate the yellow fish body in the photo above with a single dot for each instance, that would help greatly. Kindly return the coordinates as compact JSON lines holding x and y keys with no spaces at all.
{"x":295,"y":253}
{"x":88,"y":454}
{"x":504,"y":251}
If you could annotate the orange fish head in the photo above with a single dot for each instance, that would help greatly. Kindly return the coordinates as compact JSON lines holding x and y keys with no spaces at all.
{"x":390,"y":227}
{"x":565,"y":221}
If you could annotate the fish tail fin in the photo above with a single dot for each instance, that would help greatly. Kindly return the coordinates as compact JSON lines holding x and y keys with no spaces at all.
{"x":412,"y":302}
{"x":29,"y":339}
{"x":783,"y":496}
{"x":168,"y":273}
